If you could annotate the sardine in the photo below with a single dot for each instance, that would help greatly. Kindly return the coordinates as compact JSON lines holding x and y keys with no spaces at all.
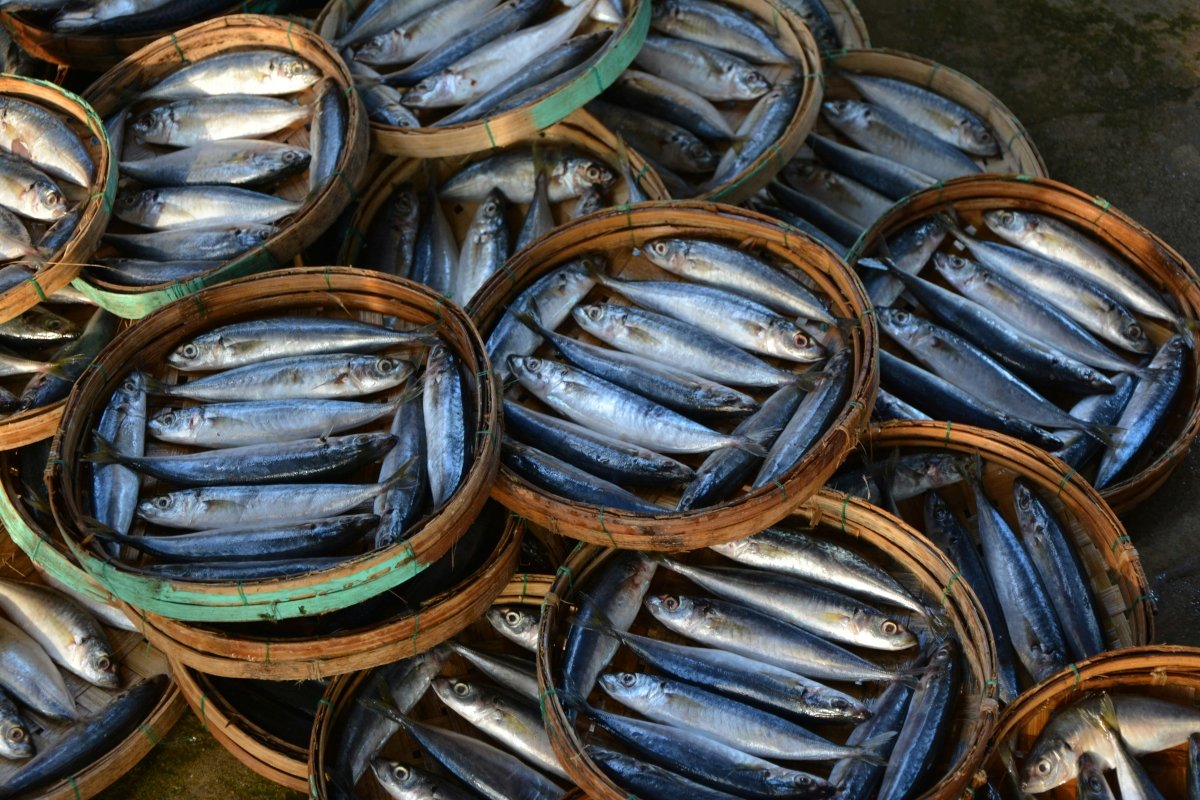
{"x":713,"y":74}
{"x":888,"y":177}
{"x":717,"y":26}
{"x":211,"y":243}
{"x":261,"y":422}
{"x":447,"y":438}
{"x":484,"y":247}
{"x":327,"y":134}
{"x":28,"y":191}
{"x":515,"y":173}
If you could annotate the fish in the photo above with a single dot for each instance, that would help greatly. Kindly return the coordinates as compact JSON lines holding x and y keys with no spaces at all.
{"x":145,"y":272}
{"x":929,"y":718}
{"x":435,"y":259}
{"x":185,"y":123}
{"x":242,"y":423}
{"x":750,"y":730}
{"x":509,"y":719}
{"x":514,"y":173}
{"x":1193,"y":767}
{"x":598,"y":404}
{"x":816,"y":16}
{"x":15,"y":741}
{"x":717,"y":623}
{"x":516,"y":624}
{"x":32,"y":132}
{"x":649,"y":780}
{"x":1132,"y":779}
{"x":670,"y":102}
{"x":717,"y":26}
{"x":859,"y":779}
{"x":320,"y":376}
{"x":669,"y":341}
{"x":28,"y":674}
{"x":910,"y":250}
{"x":401,"y":506}
{"x":381,"y":16}
{"x":855,"y":201}
{"x":820,"y":561}
{"x":422,"y":33}
{"x":327,"y":134}
{"x":484,"y":247}
{"x":949,"y":121}
{"x":384,"y":104}
{"x":713,"y":74}
{"x":564,"y":479}
{"x":512,"y":672}
{"x":674,"y":146}
{"x":794,"y":220}
{"x":716,"y":264}
{"x":1090,"y":782}
{"x":392,"y":235}
{"x":220,"y":242}
{"x":447,"y":438}
{"x":890,"y":178}
{"x":235,"y":162}
{"x":1028,"y":614}
{"x":1062,"y":573}
{"x":74,"y":357}
{"x":167,"y":208}
{"x":269,"y":72}
{"x":549,"y":300}
{"x":235,"y":571}
{"x":132,"y":17}
{"x":239,"y":344}
{"x":843,"y":229}
{"x":1104,"y":409}
{"x":123,"y":423}
{"x":709,"y":761}
{"x":1145,"y":410}
{"x":406,"y":782}
{"x":885,"y":133}
{"x":593,"y":451}
{"x":812,"y":419}
{"x":539,"y":217}
{"x":943,"y":400}
{"x":1060,"y":242}
{"x":91,"y":738}
{"x":28,"y":191}
{"x":889,"y":407}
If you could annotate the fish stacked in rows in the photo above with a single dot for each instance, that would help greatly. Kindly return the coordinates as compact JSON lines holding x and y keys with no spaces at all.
{"x":215,"y":158}
{"x":1034,"y":329}
{"x":423,"y":63}
{"x":700,"y":387}
{"x":51,"y":650}
{"x":119,"y":18}
{"x":501,"y":204}
{"x":495,"y":746}
{"x":709,"y":92}
{"x":43,"y":352}
{"x":46,"y":175}
{"x":899,"y":138}
{"x":293,"y":443}
{"x":1097,"y":741}
{"x":795,"y":668}
{"x":1022,"y":563}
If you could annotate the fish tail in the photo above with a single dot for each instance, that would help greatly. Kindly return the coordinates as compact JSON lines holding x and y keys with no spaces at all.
{"x":1151,"y":374}
{"x":426,"y":334}
{"x":1106,"y":435}
{"x":757,"y":444}
{"x":156,"y":386}
{"x":591,"y":616}
{"x":947,"y":219}
{"x":875,"y":750}
{"x":399,"y":476}
{"x":58,"y":369}
{"x":106,"y":452}
{"x":384,"y":709}
{"x":529,"y":319}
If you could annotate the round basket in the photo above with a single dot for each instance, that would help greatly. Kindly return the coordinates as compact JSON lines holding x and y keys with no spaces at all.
{"x":344,"y":691}
{"x":137,"y":660}
{"x":147,"y":66}
{"x":95,"y":202}
{"x":1168,"y":673}
{"x":849,"y":24}
{"x":337,"y":292}
{"x":580,"y":132}
{"x":1161,"y":266}
{"x":613,"y":233}
{"x":232,"y":723}
{"x":508,"y":127}
{"x":1110,"y":560}
{"x":873,"y":534}
{"x":272,"y":653}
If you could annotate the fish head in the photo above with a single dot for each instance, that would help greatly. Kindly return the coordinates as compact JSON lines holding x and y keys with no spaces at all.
{"x":293,"y":70}
{"x":285,"y":160}
{"x":46,"y":326}
{"x":693,"y":151}
{"x":629,"y":684}
{"x":792,"y":783}
{"x":381,"y":371}
{"x":977,"y":136}
{"x":399,"y":780}
{"x":751,"y":83}
{"x":432,"y":92}
{"x":44,"y":200}
{"x":131,"y":207}
{"x":1028,"y":508}
{"x":793,"y":341}
{"x":516,"y":623}
{"x":602,"y":320}
{"x":1051,"y":763}
{"x":154,"y":123}
{"x":536,"y":374}
{"x":923,"y":236}
{"x":670,"y":609}
{"x":580,"y":174}
{"x":1090,"y":777}
{"x":458,"y":693}
{"x":901,"y":325}
{"x":92,"y":656}
{"x":15,"y":741}
{"x":735,"y":548}
{"x":197,"y":353}
{"x":493,"y":206}
{"x":666,"y":253}
{"x":173,"y":423}
{"x":1010,"y":224}
{"x":846,"y":113}
{"x":825,"y":703}
{"x":1134,"y":333}
{"x":165,"y":506}
{"x":957,"y":270}
{"x":881,"y":631}
{"x":375,"y":49}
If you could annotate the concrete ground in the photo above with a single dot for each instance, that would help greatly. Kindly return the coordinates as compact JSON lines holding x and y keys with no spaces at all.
{"x":1110,"y":93}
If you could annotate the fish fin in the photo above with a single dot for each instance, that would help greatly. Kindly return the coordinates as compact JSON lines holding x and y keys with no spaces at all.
{"x":384,"y":709}
{"x":56,"y":369}
{"x":1152,"y":374}
{"x":400,"y":475}
{"x":529,"y":320}
{"x":750,"y":446}
{"x":1105,"y":434}
{"x":947,"y":219}
{"x":761,"y":441}
{"x":155,"y":386}
{"x":872,"y":750}
{"x":426,"y":334}
{"x":596,"y":273}
{"x":106,"y":452}
{"x":1108,"y":714}
{"x":411,"y":392}
{"x":877,"y":264}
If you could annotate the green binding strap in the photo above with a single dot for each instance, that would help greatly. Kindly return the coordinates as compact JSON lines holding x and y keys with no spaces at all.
{"x":599,"y":76}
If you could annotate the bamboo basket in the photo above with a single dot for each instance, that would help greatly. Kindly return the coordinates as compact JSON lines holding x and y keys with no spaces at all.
{"x":580,"y":132}
{"x":272,"y":653}
{"x":345,"y":689}
{"x":850,"y":25}
{"x":334,"y":291}
{"x":147,"y":66}
{"x":478,"y":136}
{"x":279,"y":760}
{"x":1157,"y":262}
{"x":1113,"y":567}
{"x":137,"y":660}
{"x":1018,"y":154}
{"x":95,"y":202}
{"x":1169,"y":673}
{"x":873,"y":534}
{"x":91,"y":51}
{"x":613,"y":233}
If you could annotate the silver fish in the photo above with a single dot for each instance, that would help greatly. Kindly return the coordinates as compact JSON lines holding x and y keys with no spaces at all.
{"x":549,"y":300}
{"x":515,"y":173}
{"x":314,"y":377}
{"x":209,"y":242}
{"x":448,"y":446}
{"x":711,"y":73}
{"x":327,"y":134}
{"x":166,"y":208}
{"x":260,"y":422}
{"x":717,"y":26}
{"x":28,"y":674}
{"x":28,"y":191}
{"x":518,"y":625}
{"x":184,"y":123}
{"x":123,"y":423}
{"x":406,"y":782}
{"x":30,"y":131}
{"x":419,"y":34}
{"x":269,"y":72}
{"x":885,"y":133}
{"x":69,"y":634}
{"x":484,"y":247}
{"x":236,"y":162}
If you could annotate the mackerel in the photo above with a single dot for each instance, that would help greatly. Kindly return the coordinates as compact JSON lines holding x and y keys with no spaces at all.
{"x":649,"y":780}
{"x":401,"y":506}
{"x":845,"y":195}
{"x":674,"y":146}
{"x":123,"y":423}
{"x":15,"y":741}
{"x":379,"y":17}
{"x":670,"y":102}
{"x":485,"y":246}
{"x":713,"y":74}
{"x":392,"y":236}
{"x":517,"y":624}
{"x":549,"y":300}
{"x":834,"y":223}
{"x":406,"y":782}
{"x":447,"y":434}
{"x":539,"y":217}
{"x":261,"y":422}
{"x":889,"y":407}
{"x":859,"y":779}
{"x":28,"y":191}
{"x":28,"y":674}
{"x":515,"y":173}
{"x":210,"y":243}
{"x":1090,"y":782}
{"x":422,"y":33}
{"x":184,"y":123}
{"x":888,"y":177}
{"x":885,"y":133}
{"x":383,"y":103}
{"x":268,"y":72}
{"x":32,"y":132}
{"x":273,"y":541}
{"x":435,"y":259}
{"x":168,"y":208}
{"x":327,"y":134}
{"x":1102,"y":409}
{"x":512,"y":672}
{"x":145,"y":272}
{"x":567,"y":480}
{"x":75,"y":358}
{"x":761,"y":129}
{"x":329,"y":376}
{"x":236,"y":162}
{"x":717,"y":26}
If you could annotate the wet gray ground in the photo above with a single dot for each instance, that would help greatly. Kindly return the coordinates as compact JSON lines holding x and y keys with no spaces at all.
{"x":1110,"y":93}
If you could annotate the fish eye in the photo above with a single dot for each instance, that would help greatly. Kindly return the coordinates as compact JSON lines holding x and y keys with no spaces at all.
{"x":594,"y":312}
{"x":167,"y":418}
{"x":385,"y":365}
{"x":461,"y":689}
{"x":902,"y":317}
{"x":533,"y":364}
{"x":838,"y":704}
{"x":512,"y":617}
{"x":985,"y":136}
{"x":801,"y":340}
{"x":627,"y":679}
{"x":670,"y":603}
{"x":16,"y":735}
{"x":161,"y":502}
{"x":291,"y":156}
{"x":593,"y":172}
{"x":889,"y":628}
{"x":1134,"y":331}
{"x":1043,"y":767}
{"x":104,"y":663}
{"x":189,"y":350}
{"x":51,"y":197}
{"x":659,"y":248}
{"x":400,"y":772}
{"x":53,"y":324}
{"x":1023,"y":500}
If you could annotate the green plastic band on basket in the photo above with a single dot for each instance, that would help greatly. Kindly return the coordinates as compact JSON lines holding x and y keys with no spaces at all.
{"x":845,"y":505}
{"x":74,"y":787}
{"x":1023,"y":178}
{"x":291,"y":44}
{"x":564,"y":570}
{"x":416,"y":631}
{"x":179,"y":50}
{"x":946,"y":440}
{"x":524,"y":585}
{"x":1120,"y":540}
{"x":354,"y":196}
{"x":933,"y":74}
{"x":1067,"y":476}
{"x":150,"y":734}
{"x":325,"y":702}
{"x":542,"y":699}
{"x":487,"y":128}
{"x":954,"y":577}
{"x":37,"y":287}
{"x":1078,"y":676}
{"x":604,"y":527}
{"x":98,"y":367}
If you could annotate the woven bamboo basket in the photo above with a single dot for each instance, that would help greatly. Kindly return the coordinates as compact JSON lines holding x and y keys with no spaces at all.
{"x":94,"y":203}
{"x":334,"y":291}
{"x":235,"y":725}
{"x":873,"y":534}
{"x":345,"y":690}
{"x":1168,"y":673}
{"x":613,"y":233}
{"x":580,"y":132}
{"x":300,"y":652}
{"x":1111,"y":561}
{"x":1157,"y":262}
{"x":147,"y":66}
{"x":137,"y":660}
{"x":508,"y":127}
{"x":849,"y":23}
{"x":1018,"y":154}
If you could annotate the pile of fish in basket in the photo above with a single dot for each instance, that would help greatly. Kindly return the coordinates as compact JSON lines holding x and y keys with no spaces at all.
{"x":326,"y":337}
